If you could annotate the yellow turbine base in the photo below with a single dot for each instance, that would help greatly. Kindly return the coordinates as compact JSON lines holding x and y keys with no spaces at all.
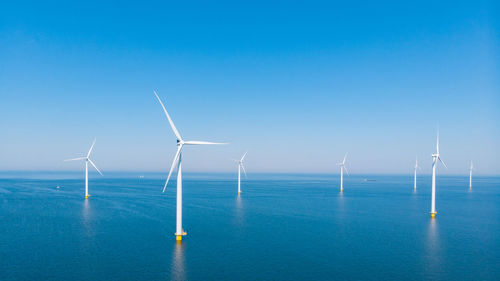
{"x":87,"y":196}
{"x":239,"y":192}
{"x":178,"y":237}
{"x":433,"y":215}
{"x":341,"y":189}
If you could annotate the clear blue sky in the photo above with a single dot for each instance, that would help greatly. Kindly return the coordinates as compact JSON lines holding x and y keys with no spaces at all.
{"x":297,"y":84}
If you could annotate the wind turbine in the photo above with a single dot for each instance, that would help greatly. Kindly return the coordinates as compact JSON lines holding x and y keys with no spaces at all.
{"x":342,"y":168}
{"x":435,"y":158}
{"x":415,"y":179}
{"x":240,"y":166}
{"x":87,"y":161}
{"x":470,"y":175}
{"x":178,"y":162}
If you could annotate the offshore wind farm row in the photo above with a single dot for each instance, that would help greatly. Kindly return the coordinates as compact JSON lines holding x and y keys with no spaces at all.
{"x":177,"y":165}
{"x":256,"y":140}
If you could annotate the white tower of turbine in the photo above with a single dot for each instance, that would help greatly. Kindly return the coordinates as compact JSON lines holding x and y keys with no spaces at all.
{"x":435,"y":158}
{"x":415,"y":178}
{"x":87,"y":161}
{"x":470,"y":174}
{"x":240,"y":167}
{"x":342,"y":168}
{"x":179,"y":232}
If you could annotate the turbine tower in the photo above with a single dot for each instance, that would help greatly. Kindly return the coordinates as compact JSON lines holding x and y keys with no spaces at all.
{"x":435,"y":158}
{"x":87,"y":161}
{"x":342,"y":168}
{"x":240,"y":166}
{"x":470,"y":175}
{"x":415,"y":178}
{"x":179,"y":232}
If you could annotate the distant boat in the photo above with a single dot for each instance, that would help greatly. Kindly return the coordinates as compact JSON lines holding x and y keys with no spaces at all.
{"x":57,"y":187}
{"x":141,"y":177}
{"x":370,"y":180}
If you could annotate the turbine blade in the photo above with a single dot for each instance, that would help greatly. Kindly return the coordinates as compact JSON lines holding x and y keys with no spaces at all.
{"x":74,"y":159}
{"x":345,"y":169}
{"x":243,"y":157}
{"x":343,"y":162}
{"x":443,"y":162}
{"x":202,"y":142}
{"x":243,"y":167}
{"x":92,"y":147}
{"x":95,"y":166}
{"x":169,"y":119}
{"x":437,"y":142}
{"x":176,"y":158}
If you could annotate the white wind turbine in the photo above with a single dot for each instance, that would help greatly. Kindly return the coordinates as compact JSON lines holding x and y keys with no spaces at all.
{"x":470,"y":175}
{"x":178,"y":161}
{"x":87,"y":161}
{"x":342,"y":168}
{"x":240,"y":166}
{"x":415,"y":179}
{"x":435,"y":158}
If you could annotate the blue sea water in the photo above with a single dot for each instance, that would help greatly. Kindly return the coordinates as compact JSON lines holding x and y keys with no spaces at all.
{"x":282,"y":227}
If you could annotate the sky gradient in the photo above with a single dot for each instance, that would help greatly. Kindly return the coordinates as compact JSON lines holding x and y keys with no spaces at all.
{"x":296,"y":84}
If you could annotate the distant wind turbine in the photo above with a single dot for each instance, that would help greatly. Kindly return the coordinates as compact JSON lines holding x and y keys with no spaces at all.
{"x":415,"y":179}
{"x":178,"y":161}
{"x":240,"y":166}
{"x":87,"y":161}
{"x":342,"y":168}
{"x":470,"y":175}
{"x":435,"y":158}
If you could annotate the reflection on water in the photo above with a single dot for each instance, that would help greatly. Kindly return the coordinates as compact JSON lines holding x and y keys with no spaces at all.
{"x":86,"y":218}
{"x":341,"y":201}
{"x":239,"y":212}
{"x":178,"y":266}
{"x":433,"y":249}
{"x":340,"y":213}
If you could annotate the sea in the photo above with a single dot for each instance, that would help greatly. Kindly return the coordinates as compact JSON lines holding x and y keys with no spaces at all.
{"x":281,"y":227}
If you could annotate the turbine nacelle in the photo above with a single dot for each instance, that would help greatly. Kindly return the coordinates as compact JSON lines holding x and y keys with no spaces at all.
{"x":435,"y":159}
{"x":180,"y":141}
{"x":87,"y":158}
{"x":416,"y":164}
{"x":342,"y":164}
{"x":240,"y":163}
